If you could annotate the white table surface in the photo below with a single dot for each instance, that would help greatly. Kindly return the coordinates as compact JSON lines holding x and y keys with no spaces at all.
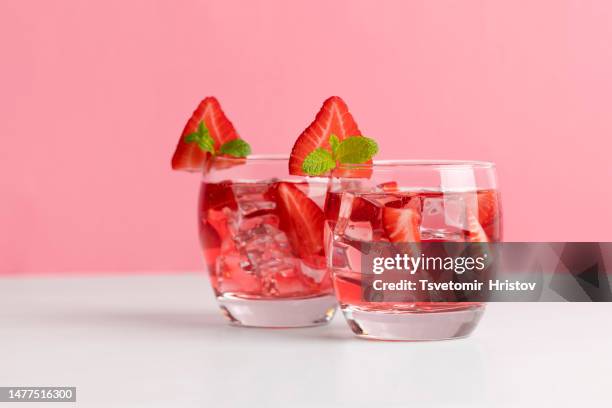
{"x":159,"y":341}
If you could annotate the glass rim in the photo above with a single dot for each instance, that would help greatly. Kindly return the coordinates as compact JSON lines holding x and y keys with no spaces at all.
{"x":375,"y":163}
{"x":420,"y":163}
{"x":255,"y":158}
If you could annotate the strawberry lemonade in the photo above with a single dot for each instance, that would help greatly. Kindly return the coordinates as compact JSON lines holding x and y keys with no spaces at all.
{"x":262,"y":239}
{"x":402,"y":218}
{"x":401,"y":205}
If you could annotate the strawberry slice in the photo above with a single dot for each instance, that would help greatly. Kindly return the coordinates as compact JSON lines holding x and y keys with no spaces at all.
{"x":189,"y":156}
{"x":301,"y":219}
{"x":217,"y":196}
{"x":474,"y":232}
{"x":487,"y":207}
{"x":333,"y":118}
{"x":403,"y":224}
{"x":488,"y":213}
{"x":389,"y":187}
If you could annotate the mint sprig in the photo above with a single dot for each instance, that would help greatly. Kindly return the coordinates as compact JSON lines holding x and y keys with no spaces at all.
{"x":202,"y":137}
{"x":356,"y":149}
{"x":236,"y":148}
{"x":353,"y":149}
{"x":319,"y":161}
{"x":334,"y":142}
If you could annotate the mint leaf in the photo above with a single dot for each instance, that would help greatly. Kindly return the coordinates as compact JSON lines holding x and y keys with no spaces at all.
{"x":318,"y":162}
{"x":353,"y":149}
{"x":334,"y":142}
{"x":356,"y":149}
{"x":207,"y":143}
{"x":236,"y":148}
{"x":202,"y":137}
{"x":192,"y":137}
{"x":202,"y":129}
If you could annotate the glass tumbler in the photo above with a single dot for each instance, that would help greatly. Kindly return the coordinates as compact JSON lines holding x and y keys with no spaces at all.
{"x":261,"y":231}
{"x":407,"y":202}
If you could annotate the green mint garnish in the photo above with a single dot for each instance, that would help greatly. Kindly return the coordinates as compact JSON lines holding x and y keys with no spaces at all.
{"x":203,"y":138}
{"x":235,"y":147}
{"x":356,"y":149}
{"x":319,"y":161}
{"x":334,"y":142}
{"x":353,"y":149}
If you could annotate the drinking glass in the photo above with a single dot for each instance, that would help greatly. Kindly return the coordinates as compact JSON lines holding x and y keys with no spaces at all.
{"x":407,"y":202}
{"x":261,"y":231}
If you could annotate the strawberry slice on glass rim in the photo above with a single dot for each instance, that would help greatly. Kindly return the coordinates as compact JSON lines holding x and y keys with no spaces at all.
{"x":332,"y":138}
{"x":208,"y":133}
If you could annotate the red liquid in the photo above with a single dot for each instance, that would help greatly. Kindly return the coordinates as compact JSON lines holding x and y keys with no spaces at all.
{"x":252,"y":246}
{"x":466,"y":216}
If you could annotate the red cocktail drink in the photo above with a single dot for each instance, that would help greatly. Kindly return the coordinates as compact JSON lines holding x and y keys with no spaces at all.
{"x":262,"y":239}
{"x":412,"y":203}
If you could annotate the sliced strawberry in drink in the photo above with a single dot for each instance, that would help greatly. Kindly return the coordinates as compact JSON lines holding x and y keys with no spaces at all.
{"x":332,"y":206}
{"x":189,"y":156}
{"x":370,"y":207}
{"x":301,"y":219}
{"x":488,"y":213}
{"x":333,"y":118}
{"x":487,"y":207}
{"x":403,"y":224}
{"x":217,"y":196}
{"x":364,"y":210}
{"x":474,"y":232}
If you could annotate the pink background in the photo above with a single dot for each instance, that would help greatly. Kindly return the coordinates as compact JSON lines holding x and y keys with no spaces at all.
{"x":95,"y":93}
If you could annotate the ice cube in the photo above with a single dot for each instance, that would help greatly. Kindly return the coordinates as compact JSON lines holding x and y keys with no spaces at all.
{"x":455,"y":211}
{"x":433,"y":206}
{"x":353,"y":253}
{"x":281,"y":286}
{"x":315,"y":189}
{"x":261,"y":221}
{"x":252,"y":197}
{"x":458,"y":207}
{"x":381,"y":200}
{"x":444,"y":216}
{"x":338,"y":258}
{"x":346,"y":206}
{"x":433,"y":213}
{"x":231,"y":277}
{"x":359,"y":231}
{"x":264,"y":246}
{"x":370,"y":208}
{"x":315,"y":272}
